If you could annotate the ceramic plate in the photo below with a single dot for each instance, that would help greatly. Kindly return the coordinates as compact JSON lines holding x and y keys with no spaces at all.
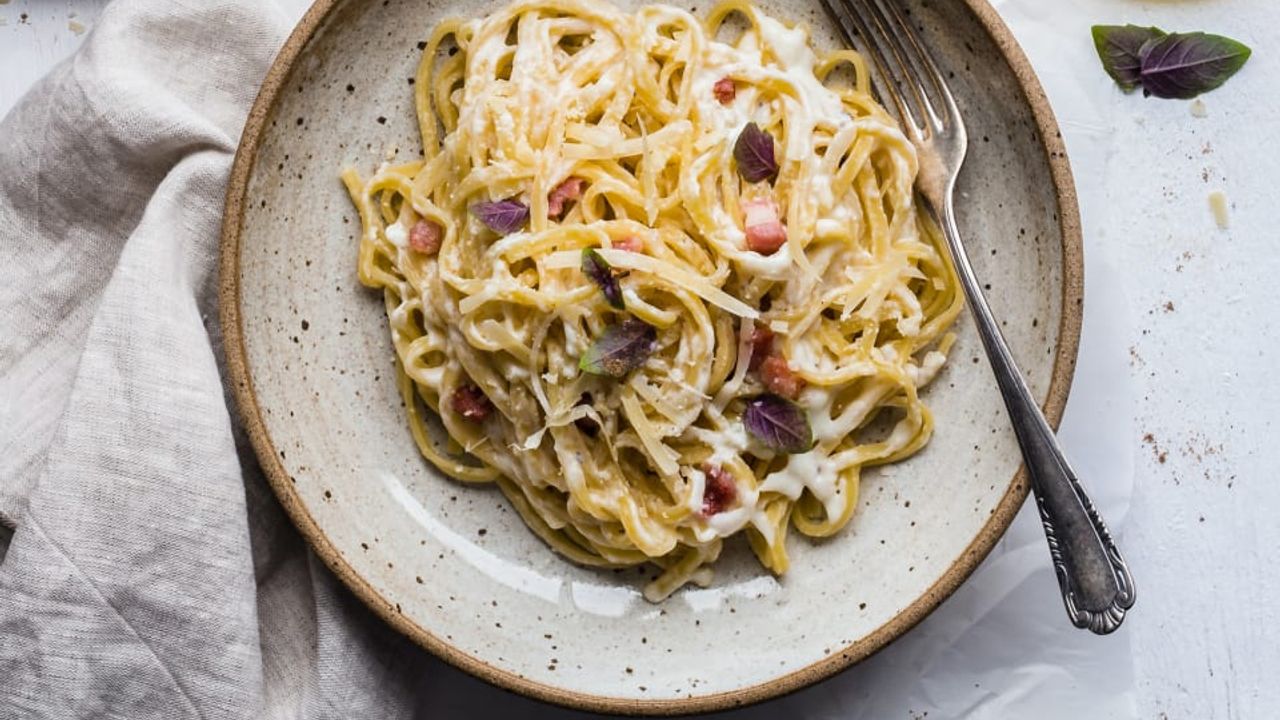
{"x":453,"y":566}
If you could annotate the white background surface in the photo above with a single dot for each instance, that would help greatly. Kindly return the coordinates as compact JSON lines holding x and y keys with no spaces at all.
{"x":1172,"y":419}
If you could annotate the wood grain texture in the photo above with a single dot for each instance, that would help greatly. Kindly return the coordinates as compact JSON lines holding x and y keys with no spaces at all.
{"x":1179,"y":337}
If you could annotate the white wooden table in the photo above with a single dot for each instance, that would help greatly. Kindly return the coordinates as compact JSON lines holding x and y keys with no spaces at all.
{"x":1175,"y":390}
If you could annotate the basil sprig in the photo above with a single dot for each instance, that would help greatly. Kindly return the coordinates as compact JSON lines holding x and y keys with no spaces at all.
{"x":1167,"y":65}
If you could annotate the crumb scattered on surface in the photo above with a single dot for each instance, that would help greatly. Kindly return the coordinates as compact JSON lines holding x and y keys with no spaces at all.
{"x":1199,"y":447}
{"x":1168,"y":306}
{"x":1218,"y":206}
{"x":1161,"y":455}
{"x":75,"y":27}
{"x":1198,"y":109}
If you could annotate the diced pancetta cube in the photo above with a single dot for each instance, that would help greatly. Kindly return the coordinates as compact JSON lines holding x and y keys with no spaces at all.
{"x":765,"y":232}
{"x":425,"y":237}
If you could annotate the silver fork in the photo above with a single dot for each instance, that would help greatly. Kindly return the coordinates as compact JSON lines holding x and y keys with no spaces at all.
{"x":1095,"y":582}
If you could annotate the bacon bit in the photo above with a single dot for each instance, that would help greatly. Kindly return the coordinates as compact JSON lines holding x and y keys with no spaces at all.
{"x":425,"y":237}
{"x":765,"y":233}
{"x":565,"y":193}
{"x":779,"y":378}
{"x":719,"y":492}
{"x":470,"y":402}
{"x":630,"y":243}
{"x":726,"y":90}
{"x":761,"y":340}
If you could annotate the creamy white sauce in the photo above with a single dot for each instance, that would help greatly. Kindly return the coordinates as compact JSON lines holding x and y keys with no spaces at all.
{"x":814,"y":211}
{"x":909,"y":326}
{"x":724,"y":524}
{"x":818,"y":104}
{"x":813,"y":471}
{"x":924,"y":373}
{"x":830,"y":227}
{"x":778,"y":266}
{"x":729,"y":443}
{"x":697,"y":488}
{"x":397,"y":235}
{"x":791,"y":480}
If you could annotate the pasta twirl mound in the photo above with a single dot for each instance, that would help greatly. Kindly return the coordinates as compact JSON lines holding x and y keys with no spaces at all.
{"x":660,"y":278}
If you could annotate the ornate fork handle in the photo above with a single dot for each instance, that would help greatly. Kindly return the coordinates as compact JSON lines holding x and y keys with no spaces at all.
{"x":1096,"y":585}
{"x":1095,"y":581}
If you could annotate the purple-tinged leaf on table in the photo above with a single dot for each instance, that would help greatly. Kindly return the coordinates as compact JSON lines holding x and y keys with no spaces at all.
{"x":1120,"y":47}
{"x":600,"y":271}
{"x":1184,"y":65}
{"x":620,"y":349}
{"x":501,"y":216}
{"x":754,"y":153}
{"x":778,"y":424}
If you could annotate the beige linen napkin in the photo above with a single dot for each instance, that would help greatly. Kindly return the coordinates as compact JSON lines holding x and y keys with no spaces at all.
{"x":151,"y":574}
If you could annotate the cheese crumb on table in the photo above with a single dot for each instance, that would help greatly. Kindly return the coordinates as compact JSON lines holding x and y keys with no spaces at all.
{"x":1218,"y":205}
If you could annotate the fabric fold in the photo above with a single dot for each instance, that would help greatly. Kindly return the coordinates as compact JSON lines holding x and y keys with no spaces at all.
{"x":151,"y":572}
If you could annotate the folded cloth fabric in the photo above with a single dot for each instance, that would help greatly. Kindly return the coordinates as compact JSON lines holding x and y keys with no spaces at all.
{"x":151,"y":573}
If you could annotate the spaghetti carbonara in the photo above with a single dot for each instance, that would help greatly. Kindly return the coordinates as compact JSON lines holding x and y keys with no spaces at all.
{"x":661,"y":279}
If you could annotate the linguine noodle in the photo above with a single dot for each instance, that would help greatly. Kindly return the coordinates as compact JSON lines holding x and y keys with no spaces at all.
{"x":616,"y":131}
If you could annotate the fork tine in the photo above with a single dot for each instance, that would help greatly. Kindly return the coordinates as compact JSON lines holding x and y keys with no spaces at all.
{"x":910,"y":70}
{"x":925,"y":58}
{"x":851,"y":25}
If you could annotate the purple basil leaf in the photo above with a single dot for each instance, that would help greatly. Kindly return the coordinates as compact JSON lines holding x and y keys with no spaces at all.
{"x":1146,"y":48}
{"x":754,"y":153}
{"x":598,"y":269}
{"x":778,"y":424}
{"x":1183,"y":65}
{"x":620,"y":349}
{"x":1120,"y":47}
{"x":503,"y":216}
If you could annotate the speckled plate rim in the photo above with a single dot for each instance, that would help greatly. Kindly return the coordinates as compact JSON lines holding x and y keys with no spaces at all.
{"x":251,"y":414}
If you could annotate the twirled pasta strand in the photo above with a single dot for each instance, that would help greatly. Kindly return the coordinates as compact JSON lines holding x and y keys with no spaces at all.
{"x":860,"y":295}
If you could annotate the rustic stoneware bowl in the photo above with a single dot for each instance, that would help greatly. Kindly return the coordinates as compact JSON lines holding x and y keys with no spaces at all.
{"x":453,"y":566}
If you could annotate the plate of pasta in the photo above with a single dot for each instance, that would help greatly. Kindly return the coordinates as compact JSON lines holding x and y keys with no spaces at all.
{"x":605,"y":350}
